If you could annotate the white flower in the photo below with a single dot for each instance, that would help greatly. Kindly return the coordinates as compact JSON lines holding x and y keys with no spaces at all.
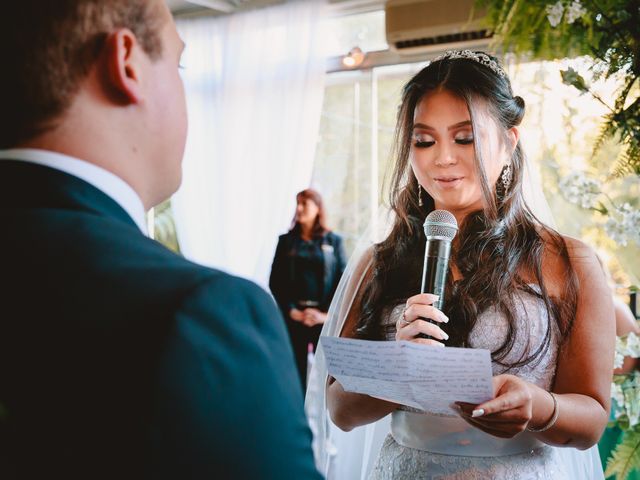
{"x":626,"y":227}
{"x":617,"y":394}
{"x":631,"y":222}
{"x":632,"y":404}
{"x":627,"y":346}
{"x":575,"y":10}
{"x":625,"y":392}
{"x":579,"y":189}
{"x":633,"y":345}
{"x":554,"y":13}
{"x":616,"y":231}
{"x":618,"y":360}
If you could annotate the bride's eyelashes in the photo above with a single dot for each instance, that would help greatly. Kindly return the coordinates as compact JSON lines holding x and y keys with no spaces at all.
{"x":464,"y":141}
{"x":423,"y":140}
{"x":426,"y":141}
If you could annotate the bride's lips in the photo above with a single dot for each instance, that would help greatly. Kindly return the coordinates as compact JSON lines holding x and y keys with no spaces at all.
{"x":448,"y":181}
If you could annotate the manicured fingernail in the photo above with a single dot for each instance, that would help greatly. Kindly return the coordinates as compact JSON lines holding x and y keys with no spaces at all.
{"x":444,"y":335}
{"x":445,"y":319}
{"x":477,"y":413}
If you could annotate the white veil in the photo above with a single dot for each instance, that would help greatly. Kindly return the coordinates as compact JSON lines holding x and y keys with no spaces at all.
{"x":351,"y":455}
{"x":339,"y":454}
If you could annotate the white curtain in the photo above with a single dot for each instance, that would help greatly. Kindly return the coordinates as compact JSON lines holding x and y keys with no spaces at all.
{"x":255,"y":83}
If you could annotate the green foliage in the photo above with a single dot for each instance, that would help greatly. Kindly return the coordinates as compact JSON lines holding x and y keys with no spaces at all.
{"x":607,"y":30}
{"x":625,"y":390}
{"x":627,"y":163}
{"x":573,"y":78}
{"x":521,"y":26}
{"x":626,"y":456}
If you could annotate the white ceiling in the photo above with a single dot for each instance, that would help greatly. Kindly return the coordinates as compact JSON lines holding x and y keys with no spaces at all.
{"x":213,"y":6}
{"x":221,"y":7}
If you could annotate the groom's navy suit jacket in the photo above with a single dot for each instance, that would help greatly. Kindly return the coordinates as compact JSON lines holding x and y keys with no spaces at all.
{"x":120,"y":359}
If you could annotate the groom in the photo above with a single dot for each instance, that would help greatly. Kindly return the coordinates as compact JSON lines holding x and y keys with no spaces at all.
{"x":119,"y":359}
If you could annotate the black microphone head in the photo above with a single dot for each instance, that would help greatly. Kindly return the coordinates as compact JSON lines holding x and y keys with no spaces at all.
{"x":440,"y":224}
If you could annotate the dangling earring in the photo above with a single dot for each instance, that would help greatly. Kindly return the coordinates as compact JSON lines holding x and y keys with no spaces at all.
{"x":506,"y":177}
{"x":419,"y":194}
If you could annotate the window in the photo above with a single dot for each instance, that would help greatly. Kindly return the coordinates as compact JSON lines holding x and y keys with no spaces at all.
{"x":559,"y":130}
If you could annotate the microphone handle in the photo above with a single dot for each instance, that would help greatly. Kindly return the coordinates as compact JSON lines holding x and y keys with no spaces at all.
{"x":435,"y":269}
{"x":434,"y":272}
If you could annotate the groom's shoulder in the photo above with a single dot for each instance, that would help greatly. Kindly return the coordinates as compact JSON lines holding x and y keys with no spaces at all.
{"x":154,"y":270}
{"x":219,"y":290}
{"x":224,"y":294}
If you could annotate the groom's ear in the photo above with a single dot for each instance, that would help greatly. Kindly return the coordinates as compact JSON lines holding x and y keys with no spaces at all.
{"x":124,"y":60}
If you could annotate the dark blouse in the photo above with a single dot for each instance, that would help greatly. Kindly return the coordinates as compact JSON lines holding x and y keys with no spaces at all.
{"x":306,"y":270}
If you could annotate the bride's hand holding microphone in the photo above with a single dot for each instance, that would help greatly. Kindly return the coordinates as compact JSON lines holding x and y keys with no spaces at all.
{"x":415,"y":321}
{"x":422,"y":318}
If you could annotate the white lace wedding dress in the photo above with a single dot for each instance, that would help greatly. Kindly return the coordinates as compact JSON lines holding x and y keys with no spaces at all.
{"x":426,"y":446}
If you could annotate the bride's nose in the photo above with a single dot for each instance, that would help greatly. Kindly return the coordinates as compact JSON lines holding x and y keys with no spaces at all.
{"x":445,"y":156}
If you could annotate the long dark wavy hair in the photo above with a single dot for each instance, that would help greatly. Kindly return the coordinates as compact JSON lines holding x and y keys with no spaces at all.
{"x":498,"y":250}
{"x":320,"y":227}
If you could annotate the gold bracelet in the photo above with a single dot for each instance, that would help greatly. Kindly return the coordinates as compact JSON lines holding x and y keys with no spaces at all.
{"x":552,"y":420}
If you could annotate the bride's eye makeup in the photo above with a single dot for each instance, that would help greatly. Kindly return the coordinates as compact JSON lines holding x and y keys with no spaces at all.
{"x":423,"y":140}
{"x":464,"y":138}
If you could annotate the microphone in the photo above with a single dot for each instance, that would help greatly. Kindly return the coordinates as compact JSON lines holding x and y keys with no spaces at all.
{"x":440,"y":227}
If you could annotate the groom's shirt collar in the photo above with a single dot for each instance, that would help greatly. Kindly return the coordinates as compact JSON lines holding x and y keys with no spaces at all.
{"x":103,"y":180}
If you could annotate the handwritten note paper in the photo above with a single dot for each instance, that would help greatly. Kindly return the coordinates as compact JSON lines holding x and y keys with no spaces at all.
{"x":421,"y":376}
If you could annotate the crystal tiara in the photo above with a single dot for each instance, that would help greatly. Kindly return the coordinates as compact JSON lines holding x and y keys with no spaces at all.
{"x":482,"y":58}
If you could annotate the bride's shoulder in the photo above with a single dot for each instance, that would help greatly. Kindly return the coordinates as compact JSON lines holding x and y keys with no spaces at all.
{"x":576,"y":246}
{"x":563,"y":254}
{"x":571,"y":249}
{"x":584,"y":259}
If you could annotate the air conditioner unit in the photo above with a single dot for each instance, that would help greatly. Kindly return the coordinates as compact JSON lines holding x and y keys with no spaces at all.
{"x":422,"y":26}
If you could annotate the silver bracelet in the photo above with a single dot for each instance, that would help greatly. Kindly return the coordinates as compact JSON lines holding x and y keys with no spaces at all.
{"x":552,"y":420}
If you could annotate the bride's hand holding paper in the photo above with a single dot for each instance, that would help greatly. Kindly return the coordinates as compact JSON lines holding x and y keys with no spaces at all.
{"x":511,"y":411}
{"x":506,"y":415}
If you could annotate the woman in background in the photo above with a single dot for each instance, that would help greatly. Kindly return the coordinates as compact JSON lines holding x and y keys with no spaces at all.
{"x":307,"y":267}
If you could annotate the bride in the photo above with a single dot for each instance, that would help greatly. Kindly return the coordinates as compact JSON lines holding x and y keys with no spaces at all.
{"x":536,"y":299}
